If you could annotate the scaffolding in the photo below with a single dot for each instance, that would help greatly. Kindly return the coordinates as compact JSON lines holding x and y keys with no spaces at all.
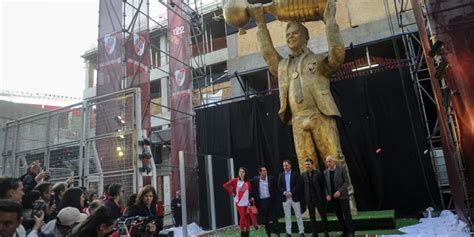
{"x":427,"y":97}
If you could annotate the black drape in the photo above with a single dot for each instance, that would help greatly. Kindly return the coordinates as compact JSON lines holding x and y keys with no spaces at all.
{"x":387,"y":167}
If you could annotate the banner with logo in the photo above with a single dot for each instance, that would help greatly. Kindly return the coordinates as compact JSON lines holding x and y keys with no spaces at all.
{"x":109,"y":74}
{"x":138,"y":55}
{"x":109,"y":47}
{"x":182,"y":134}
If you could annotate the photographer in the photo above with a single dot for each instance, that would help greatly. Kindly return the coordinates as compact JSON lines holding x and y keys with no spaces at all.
{"x":146,"y":206}
{"x":34,"y":175}
{"x":32,"y":206}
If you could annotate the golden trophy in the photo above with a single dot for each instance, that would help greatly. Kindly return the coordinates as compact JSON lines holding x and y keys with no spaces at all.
{"x":237,"y":15}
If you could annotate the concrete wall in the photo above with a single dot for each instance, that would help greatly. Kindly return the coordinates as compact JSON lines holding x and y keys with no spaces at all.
{"x":360,"y":22}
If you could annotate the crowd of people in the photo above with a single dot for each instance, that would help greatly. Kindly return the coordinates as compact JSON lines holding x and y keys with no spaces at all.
{"x":316,"y":189}
{"x":32,"y":206}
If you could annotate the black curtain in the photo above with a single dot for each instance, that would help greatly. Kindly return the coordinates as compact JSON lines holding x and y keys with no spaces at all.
{"x":384,"y":146}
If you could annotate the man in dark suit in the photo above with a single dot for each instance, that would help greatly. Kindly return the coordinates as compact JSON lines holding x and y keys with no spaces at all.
{"x":337,"y":183}
{"x":314,"y":187}
{"x":264,"y":192}
{"x":289,"y":187}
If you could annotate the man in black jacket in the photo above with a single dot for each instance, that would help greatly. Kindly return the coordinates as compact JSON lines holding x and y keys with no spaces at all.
{"x":264,"y":192}
{"x":176,"y":208}
{"x":314,"y":186}
{"x":115,"y":200}
{"x":289,"y":187}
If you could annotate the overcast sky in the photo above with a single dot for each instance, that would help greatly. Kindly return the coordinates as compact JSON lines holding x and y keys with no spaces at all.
{"x":41,"y":44}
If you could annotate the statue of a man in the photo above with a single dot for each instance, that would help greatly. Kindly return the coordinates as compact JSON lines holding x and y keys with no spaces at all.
{"x":306,"y":101}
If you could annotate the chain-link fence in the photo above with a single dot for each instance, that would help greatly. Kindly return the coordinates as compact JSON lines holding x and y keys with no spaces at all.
{"x":95,"y":141}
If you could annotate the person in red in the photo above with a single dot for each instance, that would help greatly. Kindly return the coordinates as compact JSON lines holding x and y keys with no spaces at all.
{"x":240,"y":188}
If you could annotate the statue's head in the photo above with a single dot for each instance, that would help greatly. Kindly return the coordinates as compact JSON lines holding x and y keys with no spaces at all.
{"x":297,"y":35}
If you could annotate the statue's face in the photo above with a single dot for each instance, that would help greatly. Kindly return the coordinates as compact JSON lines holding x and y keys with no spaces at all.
{"x":295,"y":38}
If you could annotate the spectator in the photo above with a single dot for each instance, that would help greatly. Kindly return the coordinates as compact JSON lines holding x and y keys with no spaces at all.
{"x":10,"y":220}
{"x":93,"y":197}
{"x":46,"y":189}
{"x":130,"y":202}
{"x":146,"y":205}
{"x":28,"y":202}
{"x":99,"y":224}
{"x":176,"y":208}
{"x":105,"y":194}
{"x":93,"y":206}
{"x":11,"y":188}
{"x":62,"y":225}
{"x":115,"y":200}
{"x":32,"y":205}
{"x":34,"y":174}
{"x":10,"y":217}
{"x":86,"y":197}
{"x":59,"y":189}
{"x":73,"y":197}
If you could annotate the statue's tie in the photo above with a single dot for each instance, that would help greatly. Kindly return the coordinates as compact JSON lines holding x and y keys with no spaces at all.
{"x":297,"y":84}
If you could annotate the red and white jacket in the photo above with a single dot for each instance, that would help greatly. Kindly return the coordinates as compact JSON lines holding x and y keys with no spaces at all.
{"x":240,"y":190}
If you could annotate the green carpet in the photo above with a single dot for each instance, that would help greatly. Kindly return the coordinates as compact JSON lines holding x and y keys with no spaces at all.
{"x":367,"y":223}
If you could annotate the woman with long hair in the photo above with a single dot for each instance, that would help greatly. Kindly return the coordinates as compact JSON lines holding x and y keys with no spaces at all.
{"x":146,"y":206}
{"x":240,"y":188}
{"x":99,"y":224}
{"x":73,"y":197}
{"x":132,"y":199}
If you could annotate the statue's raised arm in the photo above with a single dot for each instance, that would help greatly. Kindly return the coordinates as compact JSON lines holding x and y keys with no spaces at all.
{"x":335,"y":44}
{"x":264,"y":41}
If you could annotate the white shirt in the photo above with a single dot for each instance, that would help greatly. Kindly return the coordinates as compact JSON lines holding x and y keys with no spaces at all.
{"x":263,"y":186}
{"x":244,"y":201}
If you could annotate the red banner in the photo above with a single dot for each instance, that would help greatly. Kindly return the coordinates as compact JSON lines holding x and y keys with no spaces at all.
{"x":109,"y":74}
{"x":182,"y":134}
{"x":137,"y":70}
{"x":109,"y":47}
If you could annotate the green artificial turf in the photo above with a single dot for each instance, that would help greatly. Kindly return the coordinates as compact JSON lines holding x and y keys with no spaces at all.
{"x":402,"y":222}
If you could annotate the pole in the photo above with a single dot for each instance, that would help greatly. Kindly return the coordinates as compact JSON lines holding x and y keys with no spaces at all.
{"x":182,"y":182}
{"x":230,"y":169}
{"x":210,"y":191}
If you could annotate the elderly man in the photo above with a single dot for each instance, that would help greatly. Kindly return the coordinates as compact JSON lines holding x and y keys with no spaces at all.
{"x":337,"y":195}
{"x":306,"y":101}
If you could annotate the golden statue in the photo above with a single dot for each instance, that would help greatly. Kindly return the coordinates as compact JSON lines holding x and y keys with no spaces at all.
{"x":306,"y":101}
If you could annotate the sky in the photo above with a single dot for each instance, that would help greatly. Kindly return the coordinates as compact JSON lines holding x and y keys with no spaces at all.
{"x":42,"y":43}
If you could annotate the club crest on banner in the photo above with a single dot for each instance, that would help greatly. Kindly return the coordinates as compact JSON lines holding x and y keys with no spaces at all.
{"x":109,"y":42}
{"x":139,"y":44}
{"x":180,"y":76}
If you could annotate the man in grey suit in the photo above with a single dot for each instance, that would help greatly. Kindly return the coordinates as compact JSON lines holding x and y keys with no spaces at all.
{"x":315,"y":190}
{"x":337,"y":182}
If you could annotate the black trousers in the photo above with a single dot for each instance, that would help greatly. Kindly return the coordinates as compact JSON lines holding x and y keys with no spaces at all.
{"x":321,"y":206}
{"x":267,"y":214}
{"x":177,"y":219}
{"x":343,"y":213}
